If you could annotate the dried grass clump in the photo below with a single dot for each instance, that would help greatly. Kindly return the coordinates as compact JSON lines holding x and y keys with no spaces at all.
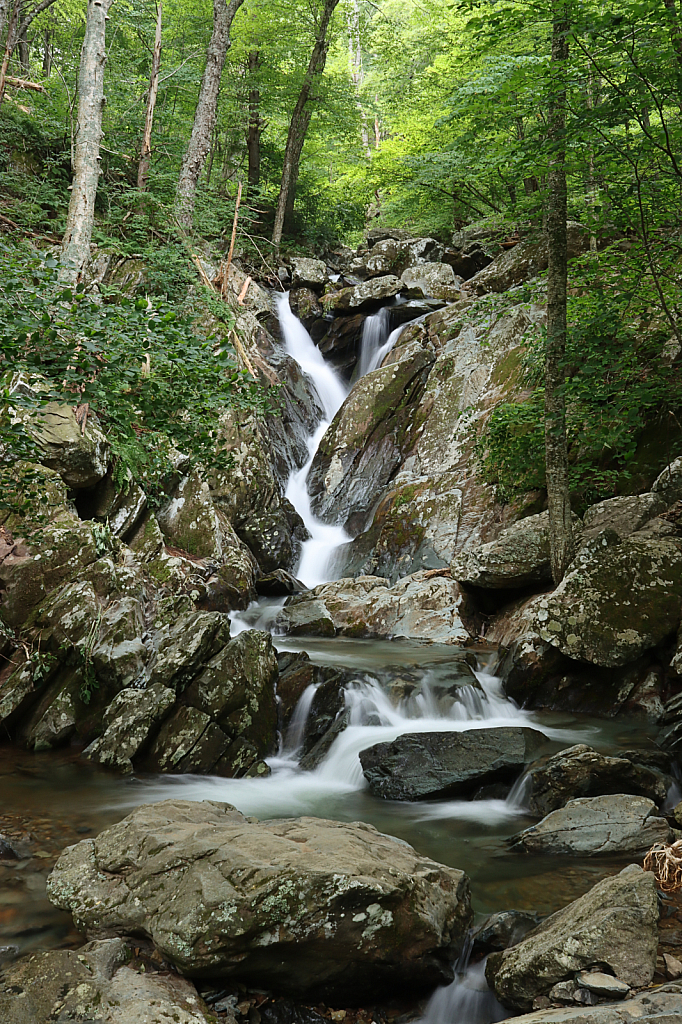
{"x":665,"y":860}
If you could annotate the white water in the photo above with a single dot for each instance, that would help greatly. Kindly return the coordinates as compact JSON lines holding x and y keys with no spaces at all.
{"x":467,"y":1000}
{"x":318,"y":552}
{"x":374,"y":334}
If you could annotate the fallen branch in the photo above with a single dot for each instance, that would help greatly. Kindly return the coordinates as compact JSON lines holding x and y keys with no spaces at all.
{"x":241,"y":352}
{"x":234,"y":233}
{"x":23,"y":83}
{"x":242,"y":294}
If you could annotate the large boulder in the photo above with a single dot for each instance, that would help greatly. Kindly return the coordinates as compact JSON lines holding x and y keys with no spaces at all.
{"x":668,"y":484}
{"x":596,"y":826}
{"x":518,"y":557}
{"x":580,"y":771}
{"x":431,"y":281}
{"x":100,"y":983}
{"x":625,"y":514}
{"x":77,"y":450}
{"x":430,"y":764}
{"x":424,"y":606}
{"x":365,"y":296}
{"x":614,"y":924}
{"x":313,"y":906}
{"x":660,"y":1005}
{"x":620,"y":599}
{"x":524,"y":261}
{"x":308,"y":273}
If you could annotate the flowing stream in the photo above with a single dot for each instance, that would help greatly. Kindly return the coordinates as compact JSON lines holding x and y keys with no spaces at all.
{"x":392,"y":688}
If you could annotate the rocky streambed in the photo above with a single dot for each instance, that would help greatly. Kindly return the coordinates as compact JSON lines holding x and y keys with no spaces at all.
{"x":272,"y":795}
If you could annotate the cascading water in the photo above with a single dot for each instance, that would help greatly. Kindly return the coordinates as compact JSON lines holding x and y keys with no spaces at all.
{"x":467,"y":1000}
{"x":374,"y":335}
{"x":318,"y":552}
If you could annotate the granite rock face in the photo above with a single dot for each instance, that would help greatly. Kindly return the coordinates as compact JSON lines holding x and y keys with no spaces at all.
{"x":430,"y":764}
{"x":312,"y":905}
{"x":596,"y":826}
{"x":614,"y":924}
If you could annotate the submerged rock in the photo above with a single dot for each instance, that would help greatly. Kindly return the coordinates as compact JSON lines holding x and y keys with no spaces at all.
{"x":313,"y":906}
{"x":424,"y":606}
{"x":614,"y":924}
{"x":420,"y":765}
{"x":95,"y":985}
{"x":595,"y":826}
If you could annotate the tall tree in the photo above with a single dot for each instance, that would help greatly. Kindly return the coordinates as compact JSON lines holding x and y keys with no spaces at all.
{"x":255,"y":124}
{"x":562,"y":546}
{"x":206,"y":110}
{"x":81,"y":215}
{"x":146,"y":150}
{"x":300,"y":121}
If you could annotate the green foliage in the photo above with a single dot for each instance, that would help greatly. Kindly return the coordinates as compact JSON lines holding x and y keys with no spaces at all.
{"x":155,"y":380}
{"x":623,"y":374}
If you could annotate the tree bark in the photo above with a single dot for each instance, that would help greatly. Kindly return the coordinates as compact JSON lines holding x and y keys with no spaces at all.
{"x":5,"y":6}
{"x":10,"y":43}
{"x":47,"y":53}
{"x":356,"y":71}
{"x":206,"y":111}
{"x":254,"y":132}
{"x":300,"y":120}
{"x":81,"y":216}
{"x":562,"y":545}
{"x":146,"y":151}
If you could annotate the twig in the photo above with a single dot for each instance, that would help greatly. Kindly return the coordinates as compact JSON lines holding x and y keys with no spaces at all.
{"x":234,"y":235}
{"x":202,"y":273}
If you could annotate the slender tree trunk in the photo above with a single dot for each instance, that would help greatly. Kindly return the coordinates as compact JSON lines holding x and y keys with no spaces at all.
{"x":5,"y":7}
{"x":299,"y":123}
{"x":10,"y":43}
{"x":562,"y":546}
{"x":253,"y":136}
{"x":206,"y":111}
{"x":81,"y":216}
{"x":23,"y":47}
{"x":47,"y":53}
{"x":676,"y":40}
{"x":146,"y":151}
{"x":356,"y":72}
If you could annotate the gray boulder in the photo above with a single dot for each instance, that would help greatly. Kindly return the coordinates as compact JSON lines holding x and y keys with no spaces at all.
{"x":79,"y":452}
{"x":128,"y":723}
{"x":313,"y":906}
{"x":625,"y":514}
{"x":524,"y":261}
{"x":429,"y":764}
{"x":367,"y":295}
{"x":308,"y":273}
{"x":620,"y":599}
{"x":424,"y":606}
{"x":661,"y":1005}
{"x":594,"y":826}
{"x":517,"y":558}
{"x":668,"y":484}
{"x":432,"y":281}
{"x":614,"y":924}
{"x":580,"y":771}
{"x":100,"y":983}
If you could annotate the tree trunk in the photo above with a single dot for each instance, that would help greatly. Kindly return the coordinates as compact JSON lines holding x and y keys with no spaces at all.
{"x":5,"y":6}
{"x":10,"y":43}
{"x":299,"y":123}
{"x":146,"y":151}
{"x":676,"y":40}
{"x":47,"y":53}
{"x":356,"y":72}
{"x":253,"y":136}
{"x":206,"y":111}
{"x":23,"y":47}
{"x":81,"y":216}
{"x":556,"y":455}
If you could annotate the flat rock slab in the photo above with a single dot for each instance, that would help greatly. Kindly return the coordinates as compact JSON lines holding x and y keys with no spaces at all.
{"x":614,"y":924}
{"x":95,"y":985}
{"x":598,"y":825}
{"x":305,"y":906}
{"x":428,"y":764}
{"x":655,"y":1006}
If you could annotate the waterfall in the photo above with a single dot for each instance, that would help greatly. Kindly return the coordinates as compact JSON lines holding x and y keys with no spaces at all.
{"x":467,"y":1000}
{"x":374,"y":335}
{"x":318,"y":552}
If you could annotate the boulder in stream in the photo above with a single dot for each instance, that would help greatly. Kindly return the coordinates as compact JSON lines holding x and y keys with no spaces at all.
{"x":368,"y":295}
{"x":596,"y":826}
{"x":309,"y":906}
{"x":660,"y":1005}
{"x":96,"y":984}
{"x":614,"y":925}
{"x":429,"y":764}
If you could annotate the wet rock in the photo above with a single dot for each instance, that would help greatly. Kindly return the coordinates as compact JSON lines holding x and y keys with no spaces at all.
{"x":579,"y":771}
{"x":339,"y":340}
{"x":596,"y":826}
{"x":423,"y":606}
{"x":128,"y":723}
{"x":602,"y":984}
{"x":308,"y":273}
{"x":518,"y":557}
{"x":524,"y":261}
{"x":367,"y":295}
{"x":177,"y":739}
{"x":625,"y":514}
{"x":182,"y":647}
{"x":305,"y":305}
{"x":620,"y":599}
{"x":233,"y":585}
{"x":614,"y":924}
{"x":296,"y":674}
{"x":369,"y":437}
{"x":189,"y":520}
{"x":431,"y":281}
{"x":661,"y":1005}
{"x":273,"y":542}
{"x":327,"y":706}
{"x":94,"y":985}
{"x":312,"y":905}
{"x":420,"y":765}
{"x":279,"y":583}
{"x":316,"y":755}
{"x":504,"y":929}
{"x":79,"y":452}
